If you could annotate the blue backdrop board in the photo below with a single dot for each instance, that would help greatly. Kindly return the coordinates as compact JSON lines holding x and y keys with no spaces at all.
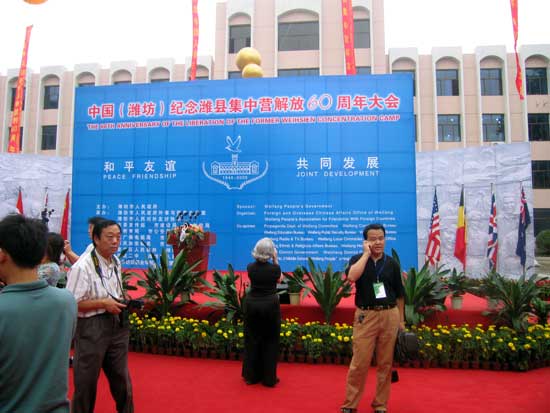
{"x":306,"y":161}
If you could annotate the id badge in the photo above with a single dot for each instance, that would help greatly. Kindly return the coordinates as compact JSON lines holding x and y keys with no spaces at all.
{"x":379,"y":290}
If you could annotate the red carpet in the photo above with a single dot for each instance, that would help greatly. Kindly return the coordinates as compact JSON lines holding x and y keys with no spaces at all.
{"x":164,"y":384}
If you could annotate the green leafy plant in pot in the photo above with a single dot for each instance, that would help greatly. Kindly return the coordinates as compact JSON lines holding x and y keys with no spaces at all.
{"x":164,"y":285}
{"x":228,"y":296}
{"x":458,"y":284}
{"x":425,"y":292}
{"x":328,"y":287}
{"x":295,"y":281}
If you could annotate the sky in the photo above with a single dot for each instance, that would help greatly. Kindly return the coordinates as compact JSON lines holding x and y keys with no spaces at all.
{"x":69,"y":32}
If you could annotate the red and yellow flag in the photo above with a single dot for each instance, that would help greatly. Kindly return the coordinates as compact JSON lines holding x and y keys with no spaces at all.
{"x":193,"y":73}
{"x":349,"y":47}
{"x":461,"y":232}
{"x":519,"y":75}
{"x":15,"y":131}
{"x":19,"y":204}
{"x":65,"y":219}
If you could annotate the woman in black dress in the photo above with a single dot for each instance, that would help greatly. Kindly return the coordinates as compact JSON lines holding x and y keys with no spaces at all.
{"x":262,"y":320}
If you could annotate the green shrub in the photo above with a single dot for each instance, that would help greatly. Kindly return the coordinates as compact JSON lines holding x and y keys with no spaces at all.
{"x":542,"y":243}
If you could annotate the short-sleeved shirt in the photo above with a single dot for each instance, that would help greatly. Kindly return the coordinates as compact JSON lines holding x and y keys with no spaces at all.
{"x":86,"y":284}
{"x":385,"y":270}
{"x":263,"y":278}
{"x":50,"y":272}
{"x":37,"y":324}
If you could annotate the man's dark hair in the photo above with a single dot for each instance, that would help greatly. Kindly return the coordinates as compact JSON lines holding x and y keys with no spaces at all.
{"x":54,"y":247}
{"x":24,"y":239}
{"x":95,"y":220}
{"x":375,"y":227}
{"x":101,"y":225}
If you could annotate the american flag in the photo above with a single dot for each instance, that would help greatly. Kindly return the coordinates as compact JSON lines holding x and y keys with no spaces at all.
{"x":492,"y":244}
{"x":433,"y":249}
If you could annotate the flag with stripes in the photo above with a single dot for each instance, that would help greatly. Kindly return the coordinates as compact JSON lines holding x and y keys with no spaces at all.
{"x":433,"y":248}
{"x":524,"y":221}
{"x":492,"y":244}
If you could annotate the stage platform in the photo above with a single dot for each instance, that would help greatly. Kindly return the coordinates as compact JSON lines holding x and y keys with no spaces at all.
{"x":309,"y":310}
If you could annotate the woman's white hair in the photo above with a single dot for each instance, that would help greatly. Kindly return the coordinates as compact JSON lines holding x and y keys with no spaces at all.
{"x":264,"y":250}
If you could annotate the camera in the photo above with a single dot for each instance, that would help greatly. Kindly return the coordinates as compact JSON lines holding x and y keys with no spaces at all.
{"x":133,"y":304}
{"x":124,"y":316}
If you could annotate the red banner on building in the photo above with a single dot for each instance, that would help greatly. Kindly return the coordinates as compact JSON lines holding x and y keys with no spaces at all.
{"x":64,"y":231}
{"x":15,"y":131}
{"x":349,"y":47}
{"x":193,"y":73}
{"x":519,"y":75}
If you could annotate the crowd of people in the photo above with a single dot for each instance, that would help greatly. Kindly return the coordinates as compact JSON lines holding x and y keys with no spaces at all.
{"x":91,"y":316}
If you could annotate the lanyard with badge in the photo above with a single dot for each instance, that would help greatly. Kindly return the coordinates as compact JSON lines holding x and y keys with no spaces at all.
{"x":379,"y":290}
{"x":95,"y":259}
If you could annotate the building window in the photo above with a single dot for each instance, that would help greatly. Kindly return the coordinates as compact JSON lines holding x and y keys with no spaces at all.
{"x":239,"y":37}
{"x":86,"y":84}
{"x":539,"y":129}
{"x":49,"y":135}
{"x":298,"y":36}
{"x":447,"y":82}
{"x":493,"y":128}
{"x":158,"y":80}
{"x":298,"y":72}
{"x":51,"y":97}
{"x":363,"y":70}
{"x":537,"y":82}
{"x":361,"y":33}
{"x":491,"y":82}
{"x":20,"y":137}
{"x":121,"y":82}
{"x":541,"y":174}
{"x":413,"y":73}
{"x":448,"y":128}
{"x":541,"y":219}
{"x":235,"y":75}
{"x":13,"y":92}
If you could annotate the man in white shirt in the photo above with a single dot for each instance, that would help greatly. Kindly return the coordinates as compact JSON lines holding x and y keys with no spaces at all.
{"x":102,"y":333}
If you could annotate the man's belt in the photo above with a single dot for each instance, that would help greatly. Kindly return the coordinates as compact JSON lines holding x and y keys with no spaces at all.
{"x":376,"y":307}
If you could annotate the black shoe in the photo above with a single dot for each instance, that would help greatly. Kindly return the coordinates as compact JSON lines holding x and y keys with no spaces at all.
{"x":277,"y":380}
{"x":348,"y":410}
{"x":394,"y":376}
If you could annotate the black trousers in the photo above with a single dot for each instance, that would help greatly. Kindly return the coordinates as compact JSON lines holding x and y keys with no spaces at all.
{"x":262,"y":326}
{"x":101,"y":343}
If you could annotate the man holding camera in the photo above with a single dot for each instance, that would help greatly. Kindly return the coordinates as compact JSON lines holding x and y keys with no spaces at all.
{"x":102,"y":332}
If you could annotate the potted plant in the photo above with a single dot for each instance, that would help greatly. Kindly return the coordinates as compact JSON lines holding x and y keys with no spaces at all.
{"x":228,"y":296}
{"x":516,"y":297}
{"x":486,"y":288}
{"x":328,"y":287}
{"x":424,"y":293}
{"x":295,"y":281}
{"x":457,"y":283}
{"x":164,"y":285}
